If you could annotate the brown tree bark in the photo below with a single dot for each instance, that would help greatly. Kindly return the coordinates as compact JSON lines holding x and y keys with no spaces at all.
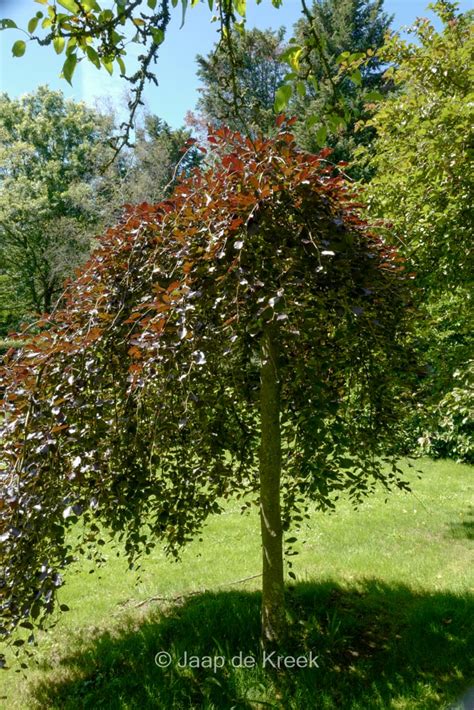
{"x":273,"y":592}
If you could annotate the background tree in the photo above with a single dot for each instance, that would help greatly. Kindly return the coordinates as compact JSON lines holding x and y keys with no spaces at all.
{"x":331,"y":90}
{"x":51,"y":151}
{"x":241,"y":93}
{"x":245,"y":337}
{"x":11,"y":310}
{"x":422,"y":186}
{"x":331,"y":104}
{"x":160,"y":155}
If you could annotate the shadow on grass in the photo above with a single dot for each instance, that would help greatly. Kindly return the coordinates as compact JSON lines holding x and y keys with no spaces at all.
{"x":379,"y":646}
{"x":464,"y":529}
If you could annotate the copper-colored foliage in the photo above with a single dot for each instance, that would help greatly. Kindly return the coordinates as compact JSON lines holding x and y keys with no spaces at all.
{"x":134,"y":402}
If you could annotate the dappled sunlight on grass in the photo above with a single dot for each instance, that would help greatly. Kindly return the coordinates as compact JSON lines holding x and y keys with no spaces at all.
{"x":383,"y":596}
{"x":378,"y":646}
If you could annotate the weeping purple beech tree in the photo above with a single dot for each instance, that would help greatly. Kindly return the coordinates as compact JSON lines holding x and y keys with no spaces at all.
{"x":245,"y":337}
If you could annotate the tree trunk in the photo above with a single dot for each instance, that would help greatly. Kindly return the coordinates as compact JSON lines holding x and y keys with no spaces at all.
{"x":273,"y":601}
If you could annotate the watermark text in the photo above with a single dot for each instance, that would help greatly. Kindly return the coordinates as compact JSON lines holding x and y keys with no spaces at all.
{"x":268,"y":660}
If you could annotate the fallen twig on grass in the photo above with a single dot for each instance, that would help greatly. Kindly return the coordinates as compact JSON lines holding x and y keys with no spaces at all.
{"x":178,"y":598}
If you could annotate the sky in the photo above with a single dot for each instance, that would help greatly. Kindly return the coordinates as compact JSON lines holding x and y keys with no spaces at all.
{"x":176,"y":67}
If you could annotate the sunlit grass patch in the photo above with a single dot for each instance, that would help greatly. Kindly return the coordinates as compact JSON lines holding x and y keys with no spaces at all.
{"x":383,"y":596}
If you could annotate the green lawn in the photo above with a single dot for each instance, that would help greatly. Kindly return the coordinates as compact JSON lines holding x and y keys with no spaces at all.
{"x":383,"y":596}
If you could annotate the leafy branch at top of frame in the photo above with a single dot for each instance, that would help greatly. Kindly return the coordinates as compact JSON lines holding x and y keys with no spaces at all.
{"x":84,"y":31}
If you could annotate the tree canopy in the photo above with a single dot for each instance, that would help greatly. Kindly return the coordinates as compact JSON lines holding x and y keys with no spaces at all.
{"x":240,"y":92}
{"x":59,"y":188}
{"x":421,"y":160}
{"x":244,"y":337}
{"x":422,"y":148}
{"x":51,"y":151}
{"x":346,"y":71}
{"x":159,"y":157}
{"x":326,"y":75}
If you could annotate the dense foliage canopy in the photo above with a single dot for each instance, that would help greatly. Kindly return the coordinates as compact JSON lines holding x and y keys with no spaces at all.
{"x":152,"y":167}
{"x":137,"y":408}
{"x":51,"y":201}
{"x":239,"y":91}
{"x":422,"y":152}
{"x":326,"y":75}
{"x":421,"y":159}
{"x":345,"y":73}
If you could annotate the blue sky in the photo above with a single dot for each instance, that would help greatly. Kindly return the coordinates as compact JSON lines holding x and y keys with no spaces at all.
{"x":177,"y":90}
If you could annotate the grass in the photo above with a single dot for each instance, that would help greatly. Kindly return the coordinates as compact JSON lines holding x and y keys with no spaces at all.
{"x":383,"y":597}
{"x":7,"y":343}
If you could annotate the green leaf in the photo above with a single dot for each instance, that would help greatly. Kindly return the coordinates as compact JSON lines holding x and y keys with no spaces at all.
{"x":343,"y":57}
{"x":121,"y":64}
{"x":301,"y":88}
{"x":311,"y":120}
{"x":240,"y":27}
{"x":158,"y":35}
{"x":313,"y":81}
{"x":356,"y":77}
{"x":33,"y":24}
{"x":70,"y":5}
{"x":19,"y":48}
{"x":335,"y":121}
{"x":185,"y":7}
{"x":151,"y":4}
{"x":58,"y":44}
{"x":321,"y":135}
{"x":374,"y":96}
{"x":240,"y":6}
{"x":291,"y":56}
{"x":282,"y":96}
{"x":108,"y":65}
{"x":93,"y":57}
{"x":69,"y":67}
{"x":106,"y":16}
{"x":71,"y":46}
{"x":117,"y":38}
{"x":91,"y":5}
{"x":7,"y":24}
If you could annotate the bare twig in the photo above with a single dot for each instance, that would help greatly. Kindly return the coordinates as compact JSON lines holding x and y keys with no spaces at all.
{"x":179,"y":597}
